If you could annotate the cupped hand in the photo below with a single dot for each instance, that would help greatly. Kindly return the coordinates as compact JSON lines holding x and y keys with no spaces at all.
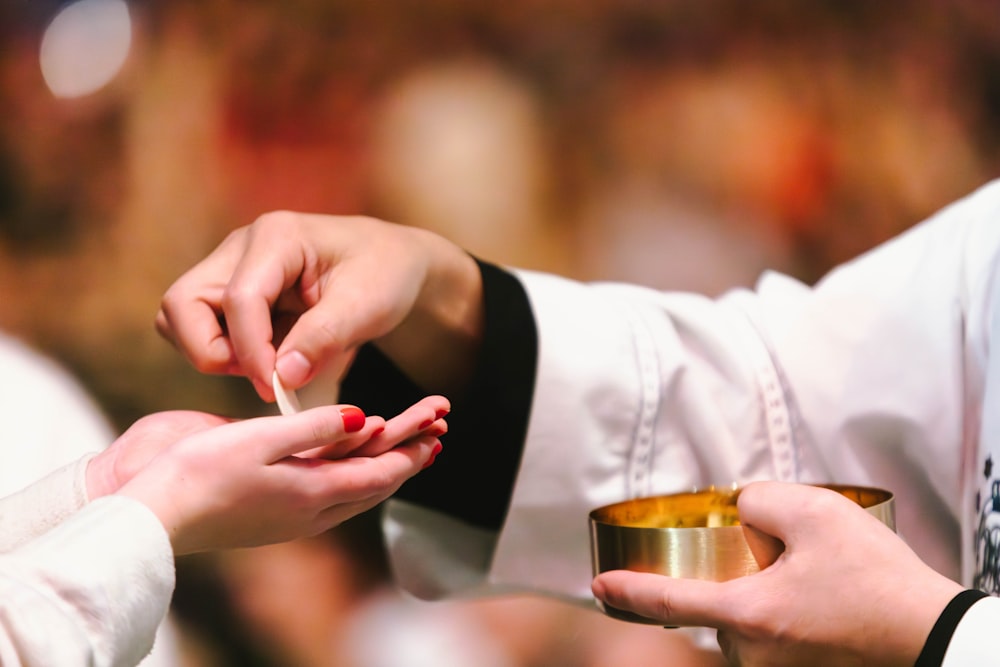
{"x":300,"y":292}
{"x":846,"y":590}
{"x":147,"y":437}
{"x":245,"y":484}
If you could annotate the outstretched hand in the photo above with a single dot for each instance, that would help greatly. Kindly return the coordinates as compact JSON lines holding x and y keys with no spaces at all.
{"x":846,"y":590}
{"x":216,"y":483}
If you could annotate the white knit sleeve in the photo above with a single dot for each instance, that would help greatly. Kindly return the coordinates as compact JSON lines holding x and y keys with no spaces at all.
{"x":38,"y":508}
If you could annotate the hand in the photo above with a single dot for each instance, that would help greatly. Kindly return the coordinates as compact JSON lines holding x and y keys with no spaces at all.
{"x":245,"y":483}
{"x":845,"y":591}
{"x":147,"y":437}
{"x":298,"y":292}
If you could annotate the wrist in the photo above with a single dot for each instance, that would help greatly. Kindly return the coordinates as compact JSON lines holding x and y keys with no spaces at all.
{"x":438,"y":343}
{"x":164,"y":506}
{"x":100,"y":478}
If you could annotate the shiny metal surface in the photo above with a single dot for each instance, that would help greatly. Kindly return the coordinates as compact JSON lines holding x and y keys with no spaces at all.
{"x":693,"y":535}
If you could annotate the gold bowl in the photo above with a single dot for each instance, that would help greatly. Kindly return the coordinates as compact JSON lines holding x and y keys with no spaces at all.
{"x":694,"y":535}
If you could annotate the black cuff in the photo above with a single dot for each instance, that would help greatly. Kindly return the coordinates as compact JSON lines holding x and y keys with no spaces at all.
{"x":473,"y":478}
{"x":937,"y":641}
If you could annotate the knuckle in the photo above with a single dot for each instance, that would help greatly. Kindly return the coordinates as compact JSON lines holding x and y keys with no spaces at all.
{"x":326,"y":427}
{"x":171,"y":300}
{"x":378,"y":479}
{"x":330,"y":335}
{"x":279,"y":219}
{"x":162,"y":326}
{"x":820,"y":505}
{"x":382,"y":477}
{"x":202,"y":364}
{"x":665,"y":606}
{"x":237,"y":294}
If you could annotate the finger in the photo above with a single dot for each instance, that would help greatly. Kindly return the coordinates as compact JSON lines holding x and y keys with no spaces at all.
{"x":766,"y":506}
{"x":354,"y":301}
{"x":190,"y":322}
{"x":373,"y":426}
{"x":357,"y":479}
{"x":162,"y":326}
{"x":272,"y":262}
{"x":276,"y":437}
{"x":764,"y":515}
{"x":784,"y":510}
{"x":190,"y":314}
{"x":667,"y":600}
{"x":379,"y":445}
{"x":247,"y":309}
{"x":322,"y":338}
{"x":424,"y":416}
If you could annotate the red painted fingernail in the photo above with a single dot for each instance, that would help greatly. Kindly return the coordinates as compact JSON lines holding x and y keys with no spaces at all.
{"x":434,"y":453}
{"x":436,"y":431}
{"x":378,"y":431}
{"x":354,"y":419}
{"x":425,"y":424}
{"x":441,"y":413}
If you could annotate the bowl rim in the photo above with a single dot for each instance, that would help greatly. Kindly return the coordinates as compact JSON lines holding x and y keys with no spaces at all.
{"x":872,"y":498}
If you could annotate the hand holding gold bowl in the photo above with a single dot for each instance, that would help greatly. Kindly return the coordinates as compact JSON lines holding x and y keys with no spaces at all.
{"x":694,"y":535}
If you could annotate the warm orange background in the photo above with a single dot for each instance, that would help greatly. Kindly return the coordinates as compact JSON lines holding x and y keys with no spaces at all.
{"x":685,"y":145}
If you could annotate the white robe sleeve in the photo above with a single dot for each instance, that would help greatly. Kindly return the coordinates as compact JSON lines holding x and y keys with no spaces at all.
{"x":971,"y":643}
{"x":871,"y":377}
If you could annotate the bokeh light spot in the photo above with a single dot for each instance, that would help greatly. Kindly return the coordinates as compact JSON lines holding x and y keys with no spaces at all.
{"x":85,"y":46}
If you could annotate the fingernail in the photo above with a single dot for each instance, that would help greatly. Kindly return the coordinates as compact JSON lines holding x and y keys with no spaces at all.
{"x":378,"y":431}
{"x":441,"y":413}
{"x":434,"y":453}
{"x":262,"y":389}
{"x":425,"y":424}
{"x":354,"y":419}
{"x":436,"y":432}
{"x":293,"y":368}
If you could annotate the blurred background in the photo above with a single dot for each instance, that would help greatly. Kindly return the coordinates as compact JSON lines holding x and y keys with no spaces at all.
{"x":683,"y":145}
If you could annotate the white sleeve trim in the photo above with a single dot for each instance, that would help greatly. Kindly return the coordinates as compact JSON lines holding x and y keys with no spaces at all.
{"x":974,"y":639}
{"x":38,"y":508}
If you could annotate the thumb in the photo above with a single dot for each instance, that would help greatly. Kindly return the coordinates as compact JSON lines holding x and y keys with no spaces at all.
{"x":779,"y":514}
{"x":759,"y":506}
{"x":764,"y":516}
{"x":667,"y":600}
{"x":319,"y":340}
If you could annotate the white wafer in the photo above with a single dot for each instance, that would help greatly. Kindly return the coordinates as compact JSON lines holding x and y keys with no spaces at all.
{"x":288,"y":401}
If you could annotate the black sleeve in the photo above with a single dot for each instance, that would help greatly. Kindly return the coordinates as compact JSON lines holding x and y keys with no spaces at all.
{"x":936,"y":646}
{"x":473,"y":477}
